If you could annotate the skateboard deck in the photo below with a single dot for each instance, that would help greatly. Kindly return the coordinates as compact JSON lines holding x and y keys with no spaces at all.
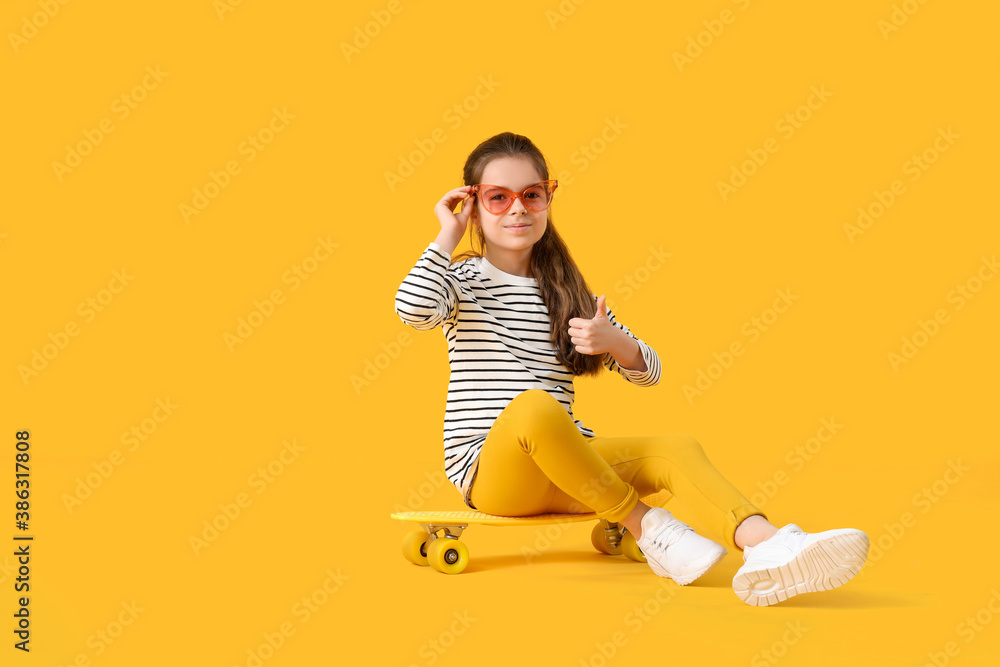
{"x":437,"y":544}
{"x":473,"y":516}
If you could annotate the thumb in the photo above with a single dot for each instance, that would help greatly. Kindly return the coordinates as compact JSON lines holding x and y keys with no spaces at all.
{"x":600,"y":309}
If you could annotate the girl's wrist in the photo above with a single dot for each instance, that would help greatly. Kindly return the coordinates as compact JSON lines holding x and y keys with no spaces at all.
{"x":447,"y":242}
{"x":628,"y":353}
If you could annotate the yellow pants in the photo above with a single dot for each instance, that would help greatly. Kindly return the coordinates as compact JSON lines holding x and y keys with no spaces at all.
{"x":535,"y":460}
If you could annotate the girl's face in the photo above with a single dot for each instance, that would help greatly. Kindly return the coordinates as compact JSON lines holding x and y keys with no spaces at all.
{"x":517,"y":228}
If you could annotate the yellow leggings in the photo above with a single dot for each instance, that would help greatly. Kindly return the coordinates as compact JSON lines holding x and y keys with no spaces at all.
{"x":535,"y":460}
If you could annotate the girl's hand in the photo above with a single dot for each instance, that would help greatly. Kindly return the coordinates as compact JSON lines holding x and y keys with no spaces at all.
{"x":454,"y":225}
{"x":593,"y":336}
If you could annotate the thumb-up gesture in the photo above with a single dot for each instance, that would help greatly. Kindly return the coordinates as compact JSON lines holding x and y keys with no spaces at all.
{"x":593,"y":336}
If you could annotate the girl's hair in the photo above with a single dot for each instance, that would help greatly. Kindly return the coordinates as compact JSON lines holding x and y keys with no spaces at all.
{"x":563,"y":288}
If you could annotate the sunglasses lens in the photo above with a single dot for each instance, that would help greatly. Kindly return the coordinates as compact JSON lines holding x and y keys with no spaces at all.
{"x":537,"y":198}
{"x":496,"y":200}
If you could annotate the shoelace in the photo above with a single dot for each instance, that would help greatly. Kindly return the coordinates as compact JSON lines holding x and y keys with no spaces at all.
{"x":669,"y":534}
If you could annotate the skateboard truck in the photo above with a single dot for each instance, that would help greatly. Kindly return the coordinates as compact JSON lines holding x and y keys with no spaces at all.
{"x":452,"y":530}
{"x":612,"y":533}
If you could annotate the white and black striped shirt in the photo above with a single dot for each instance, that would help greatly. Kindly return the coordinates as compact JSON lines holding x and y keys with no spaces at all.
{"x":497,"y":328}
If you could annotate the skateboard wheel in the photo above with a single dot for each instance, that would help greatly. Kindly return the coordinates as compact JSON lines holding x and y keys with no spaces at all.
{"x":447,"y":555}
{"x":415,"y":547}
{"x":631,"y":549}
{"x":600,"y":541}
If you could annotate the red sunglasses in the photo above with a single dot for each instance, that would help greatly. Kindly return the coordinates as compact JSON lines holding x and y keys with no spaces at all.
{"x":497,"y":199}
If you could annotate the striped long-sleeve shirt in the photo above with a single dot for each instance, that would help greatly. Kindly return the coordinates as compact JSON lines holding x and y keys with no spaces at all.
{"x":497,"y":328}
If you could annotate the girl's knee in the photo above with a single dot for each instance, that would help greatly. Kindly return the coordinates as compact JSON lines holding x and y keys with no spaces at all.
{"x":691,"y":445}
{"x":534,"y":396}
{"x":536,"y":417}
{"x":535,"y":401}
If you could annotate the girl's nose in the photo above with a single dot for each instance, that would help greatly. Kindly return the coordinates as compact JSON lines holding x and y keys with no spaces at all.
{"x":517,"y":206}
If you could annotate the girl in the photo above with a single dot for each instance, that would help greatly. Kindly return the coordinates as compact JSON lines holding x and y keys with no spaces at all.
{"x":521,"y":322}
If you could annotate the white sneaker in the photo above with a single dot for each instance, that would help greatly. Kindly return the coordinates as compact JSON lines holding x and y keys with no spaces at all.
{"x":674,"y":550}
{"x":793,"y":561}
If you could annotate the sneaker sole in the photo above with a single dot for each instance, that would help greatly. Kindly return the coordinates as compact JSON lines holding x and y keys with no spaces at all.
{"x":685,"y":580}
{"x":821,"y":566}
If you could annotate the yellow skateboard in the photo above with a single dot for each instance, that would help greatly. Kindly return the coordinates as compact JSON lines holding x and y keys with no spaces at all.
{"x":437,"y":544}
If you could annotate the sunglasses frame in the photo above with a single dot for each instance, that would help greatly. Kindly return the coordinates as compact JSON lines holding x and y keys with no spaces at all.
{"x":553,"y":183}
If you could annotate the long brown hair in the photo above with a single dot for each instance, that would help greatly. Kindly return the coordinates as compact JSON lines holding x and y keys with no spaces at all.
{"x":564,"y":291}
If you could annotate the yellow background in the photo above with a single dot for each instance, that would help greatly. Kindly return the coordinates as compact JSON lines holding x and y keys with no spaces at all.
{"x":561,"y":72}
